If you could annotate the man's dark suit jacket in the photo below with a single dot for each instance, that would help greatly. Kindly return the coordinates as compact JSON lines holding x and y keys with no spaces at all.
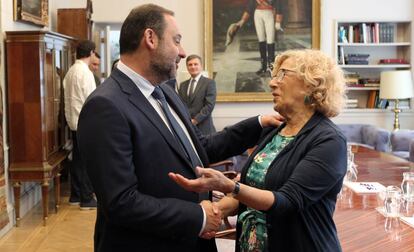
{"x":129,"y":151}
{"x":201,"y":103}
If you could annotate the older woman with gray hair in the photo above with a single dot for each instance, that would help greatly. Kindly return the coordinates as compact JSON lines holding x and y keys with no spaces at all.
{"x":287,"y":193}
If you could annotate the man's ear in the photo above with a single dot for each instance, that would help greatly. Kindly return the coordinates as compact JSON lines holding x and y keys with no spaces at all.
{"x":150,"y":38}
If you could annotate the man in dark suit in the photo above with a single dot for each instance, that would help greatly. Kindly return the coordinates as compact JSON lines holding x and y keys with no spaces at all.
{"x":199,"y":94}
{"x":131,"y":135}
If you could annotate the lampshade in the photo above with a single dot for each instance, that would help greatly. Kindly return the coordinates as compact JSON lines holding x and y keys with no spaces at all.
{"x":396,"y":85}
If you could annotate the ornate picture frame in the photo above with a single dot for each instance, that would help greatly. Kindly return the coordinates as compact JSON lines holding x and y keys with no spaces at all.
{"x":32,"y":11}
{"x":234,"y":65}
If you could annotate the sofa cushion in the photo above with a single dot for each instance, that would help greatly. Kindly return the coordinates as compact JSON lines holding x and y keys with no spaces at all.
{"x":352,"y":132}
{"x":400,"y":140}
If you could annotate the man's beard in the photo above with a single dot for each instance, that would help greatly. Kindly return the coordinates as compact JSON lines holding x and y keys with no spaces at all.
{"x":163,"y":71}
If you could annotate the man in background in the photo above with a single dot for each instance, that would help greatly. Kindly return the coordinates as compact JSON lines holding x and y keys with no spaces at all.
{"x":95,"y":67}
{"x":199,"y":94}
{"x":78,"y":84}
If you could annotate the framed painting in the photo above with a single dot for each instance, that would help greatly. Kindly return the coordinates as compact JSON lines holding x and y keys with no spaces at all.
{"x":242,"y":38}
{"x":32,"y":11}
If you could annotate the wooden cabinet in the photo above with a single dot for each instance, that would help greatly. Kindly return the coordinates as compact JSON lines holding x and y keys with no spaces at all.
{"x":37,"y":62}
{"x":75,"y":22}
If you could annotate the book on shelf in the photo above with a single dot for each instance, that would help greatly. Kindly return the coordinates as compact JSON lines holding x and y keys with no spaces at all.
{"x":366,"y":32}
{"x":371,"y":85}
{"x":358,"y":55}
{"x":351,"y":103}
{"x":357,"y":37}
{"x":354,"y":85}
{"x":372,"y":99}
{"x":341,"y":56}
{"x":393,"y":61}
{"x":342,"y":35}
{"x":351,"y":33}
{"x":361,"y":85}
{"x":356,"y":59}
{"x":370,"y":82}
{"x":353,"y":62}
{"x":382,"y":104}
{"x":386,"y":33}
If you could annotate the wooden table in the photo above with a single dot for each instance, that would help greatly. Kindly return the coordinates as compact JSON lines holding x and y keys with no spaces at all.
{"x":360,"y":226}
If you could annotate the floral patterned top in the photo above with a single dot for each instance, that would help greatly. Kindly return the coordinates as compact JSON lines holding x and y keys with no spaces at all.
{"x":254,"y":233}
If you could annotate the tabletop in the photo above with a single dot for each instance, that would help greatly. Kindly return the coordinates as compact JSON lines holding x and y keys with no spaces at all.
{"x":360,"y":227}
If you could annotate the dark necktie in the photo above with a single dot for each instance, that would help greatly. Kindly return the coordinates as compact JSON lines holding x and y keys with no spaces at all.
{"x":178,"y":132}
{"x":191,"y":91}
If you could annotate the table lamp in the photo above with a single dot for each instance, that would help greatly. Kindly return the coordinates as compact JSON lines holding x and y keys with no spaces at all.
{"x":396,"y":85}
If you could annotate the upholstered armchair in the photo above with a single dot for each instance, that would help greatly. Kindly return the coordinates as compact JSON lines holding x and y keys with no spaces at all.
{"x":402,"y":144}
{"x":366,"y":135}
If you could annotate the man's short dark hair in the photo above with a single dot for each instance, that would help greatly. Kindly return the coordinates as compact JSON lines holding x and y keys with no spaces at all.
{"x":84,"y":48}
{"x":141,"y":18}
{"x":193,"y":56}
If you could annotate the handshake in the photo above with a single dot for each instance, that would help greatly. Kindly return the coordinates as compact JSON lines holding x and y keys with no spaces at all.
{"x":214,"y":215}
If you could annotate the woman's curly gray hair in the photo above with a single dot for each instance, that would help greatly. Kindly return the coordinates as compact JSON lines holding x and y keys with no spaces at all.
{"x":322,"y":75}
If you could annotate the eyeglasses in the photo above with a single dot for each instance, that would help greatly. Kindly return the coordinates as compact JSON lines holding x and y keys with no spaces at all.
{"x":281,"y":74}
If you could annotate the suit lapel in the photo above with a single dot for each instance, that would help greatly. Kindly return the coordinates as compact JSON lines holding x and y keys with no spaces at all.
{"x":141,"y":103}
{"x":183,"y":91}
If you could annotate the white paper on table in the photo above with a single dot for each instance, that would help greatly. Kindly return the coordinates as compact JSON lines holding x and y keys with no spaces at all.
{"x":365,"y":187}
{"x":408,"y":220}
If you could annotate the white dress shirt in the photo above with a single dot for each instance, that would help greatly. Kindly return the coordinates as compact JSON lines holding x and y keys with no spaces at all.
{"x":78,"y":84}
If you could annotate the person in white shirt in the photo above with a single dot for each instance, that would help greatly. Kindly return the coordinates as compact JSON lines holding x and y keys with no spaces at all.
{"x":78,"y":84}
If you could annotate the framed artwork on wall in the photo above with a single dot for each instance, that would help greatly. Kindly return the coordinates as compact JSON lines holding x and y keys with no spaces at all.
{"x":32,"y":11}
{"x":242,"y":38}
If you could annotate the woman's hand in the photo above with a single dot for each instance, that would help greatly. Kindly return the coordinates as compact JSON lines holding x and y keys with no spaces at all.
{"x":208,"y":180}
{"x":274,"y":120}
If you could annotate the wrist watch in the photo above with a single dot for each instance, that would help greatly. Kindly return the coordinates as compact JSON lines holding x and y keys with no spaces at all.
{"x":236,"y":189}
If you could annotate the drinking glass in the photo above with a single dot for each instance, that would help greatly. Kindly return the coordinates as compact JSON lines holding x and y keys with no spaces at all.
{"x":392,"y":207}
{"x":407,"y":187}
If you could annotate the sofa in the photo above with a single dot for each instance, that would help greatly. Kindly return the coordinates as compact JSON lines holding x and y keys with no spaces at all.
{"x":367,"y":135}
{"x":402,"y":144}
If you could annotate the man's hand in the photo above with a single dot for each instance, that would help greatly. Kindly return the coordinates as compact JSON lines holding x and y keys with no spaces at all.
{"x":194,"y":121}
{"x":213,"y":219}
{"x":274,"y":120}
{"x":208,"y":180}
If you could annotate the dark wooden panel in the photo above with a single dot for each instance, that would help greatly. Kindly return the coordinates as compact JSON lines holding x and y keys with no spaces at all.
{"x":34,"y":100}
{"x":74,"y":22}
